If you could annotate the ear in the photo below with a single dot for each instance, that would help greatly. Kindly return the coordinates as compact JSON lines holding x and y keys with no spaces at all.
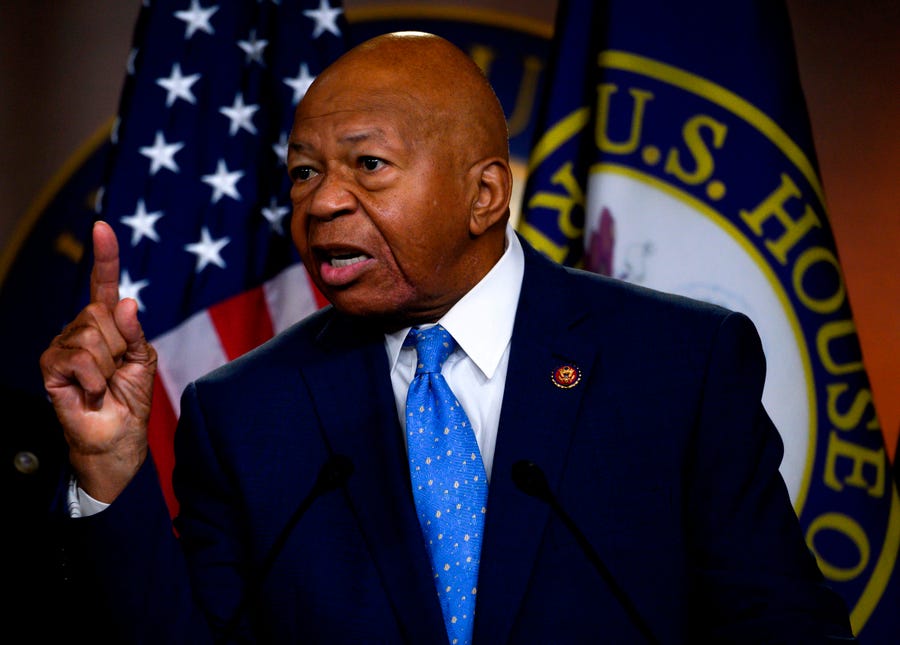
{"x":493,"y":183}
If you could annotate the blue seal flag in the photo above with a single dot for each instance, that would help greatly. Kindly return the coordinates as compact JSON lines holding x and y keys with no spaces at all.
{"x":673,"y":149}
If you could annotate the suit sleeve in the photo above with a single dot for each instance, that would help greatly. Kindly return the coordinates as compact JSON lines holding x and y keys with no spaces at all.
{"x":134,"y":579}
{"x":127,"y":573}
{"x":757,"y":582}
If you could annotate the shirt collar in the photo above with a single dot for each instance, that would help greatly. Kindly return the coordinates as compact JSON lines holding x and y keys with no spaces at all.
{"x":482,"y":320}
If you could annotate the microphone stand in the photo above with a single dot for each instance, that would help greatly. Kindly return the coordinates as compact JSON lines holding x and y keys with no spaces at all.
{"x":530,"y":479}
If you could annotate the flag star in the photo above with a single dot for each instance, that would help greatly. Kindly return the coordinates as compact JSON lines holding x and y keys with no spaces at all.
{"x":223,"y":182}
{"x":178,"y":86}
{"x":98,"y":200}
{"x":129,"y":289}
{"x":161,"y":154}
{"x":253,"y":48}
{"x":207,"y":250}
{"x":142,"y":223}
{"x":196,"y":18}
{"x":240,"y":115}
{"x":325,"y":17}
{"x":274,"y":215}
{"x":114,"y":131}
{"x":129,"y":65}
{"x":281,"y":148}
{"x":300,"y":83}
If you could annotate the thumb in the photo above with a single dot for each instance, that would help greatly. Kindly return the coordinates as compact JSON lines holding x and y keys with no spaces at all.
{"x":137,"y":350}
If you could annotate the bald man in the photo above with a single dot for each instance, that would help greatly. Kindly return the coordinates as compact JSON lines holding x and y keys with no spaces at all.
{"x":663,"y":517}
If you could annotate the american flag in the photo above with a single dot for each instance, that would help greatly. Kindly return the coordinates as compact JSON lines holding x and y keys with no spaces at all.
{"x":196,"y":186}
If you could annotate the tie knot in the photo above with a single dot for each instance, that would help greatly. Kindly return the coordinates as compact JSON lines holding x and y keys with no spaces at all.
{"x":433,"y":346}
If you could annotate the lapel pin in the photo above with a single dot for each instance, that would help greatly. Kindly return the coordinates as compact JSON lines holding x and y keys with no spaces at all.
{"x":566,"y":376}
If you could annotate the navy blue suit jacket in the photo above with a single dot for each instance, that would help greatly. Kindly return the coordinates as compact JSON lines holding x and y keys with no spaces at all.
{"x":661,"y":453}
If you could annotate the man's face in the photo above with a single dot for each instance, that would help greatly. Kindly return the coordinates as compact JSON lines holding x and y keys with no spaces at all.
{"x":380,"y":208}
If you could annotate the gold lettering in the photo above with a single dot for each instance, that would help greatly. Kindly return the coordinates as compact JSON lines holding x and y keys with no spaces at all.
{"x":851,"y":529}
{"x":860,"y":457}
{"x":604,"y":144}
{"x":702,"y":156}
{"x":532,"y":66}
{"x":829,"y":332}
{"x":804,"y":262}
{"x":525,"y":98}
{"x":563,"y":204}
{"x":484,"y":57}
{"x":68,"y":245}
{"x":774,"y":206}
{"x":541,"y":242}
{"x":851,"y":419}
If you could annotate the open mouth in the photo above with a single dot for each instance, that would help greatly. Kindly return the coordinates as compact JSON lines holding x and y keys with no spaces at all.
{"x":339,"y":261}
{"x":340,"y":268}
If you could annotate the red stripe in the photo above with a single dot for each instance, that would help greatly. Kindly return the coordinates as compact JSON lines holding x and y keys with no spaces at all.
{"x":242,"y":322}
{"x":161,"y":434}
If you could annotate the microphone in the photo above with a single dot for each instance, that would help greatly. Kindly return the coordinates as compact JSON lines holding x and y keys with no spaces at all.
{"x":334,"y":473}
{"x":531,"y":480}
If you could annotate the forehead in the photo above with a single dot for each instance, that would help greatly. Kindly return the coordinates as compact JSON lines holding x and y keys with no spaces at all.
{"x":343,"y":132}
{"x":357,"y":114}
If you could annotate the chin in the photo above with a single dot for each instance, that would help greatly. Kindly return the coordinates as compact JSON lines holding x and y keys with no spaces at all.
{"x":354,"y":305}
{"x":387,"y":317}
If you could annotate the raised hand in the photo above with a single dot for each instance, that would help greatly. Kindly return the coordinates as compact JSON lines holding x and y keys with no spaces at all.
{"x":99,"y":374}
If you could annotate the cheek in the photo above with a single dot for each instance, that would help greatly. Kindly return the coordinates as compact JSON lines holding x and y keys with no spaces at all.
{"x":424,"y":263}
{"x":298,"y":231}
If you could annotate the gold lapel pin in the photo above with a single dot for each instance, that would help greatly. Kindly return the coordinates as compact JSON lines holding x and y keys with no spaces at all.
{"x":566,"y":376}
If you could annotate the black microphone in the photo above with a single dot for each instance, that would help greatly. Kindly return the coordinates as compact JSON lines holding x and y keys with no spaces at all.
{"x":334,"y":473}
{"x":530,"y":479}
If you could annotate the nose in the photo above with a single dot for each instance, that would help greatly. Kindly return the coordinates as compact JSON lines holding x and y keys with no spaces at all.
{"x":331,"y":196}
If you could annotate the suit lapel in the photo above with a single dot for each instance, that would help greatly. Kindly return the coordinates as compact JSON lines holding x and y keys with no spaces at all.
{"x":350,"y":385}
{"x":536,"y":424}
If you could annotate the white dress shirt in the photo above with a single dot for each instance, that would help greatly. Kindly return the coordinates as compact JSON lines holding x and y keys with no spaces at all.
{"x":482,"y":324}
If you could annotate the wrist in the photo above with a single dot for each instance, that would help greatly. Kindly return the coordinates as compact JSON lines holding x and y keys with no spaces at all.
{"x":105,"y":476}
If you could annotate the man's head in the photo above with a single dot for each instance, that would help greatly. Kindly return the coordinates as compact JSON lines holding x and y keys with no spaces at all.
{"x":399,"y":161}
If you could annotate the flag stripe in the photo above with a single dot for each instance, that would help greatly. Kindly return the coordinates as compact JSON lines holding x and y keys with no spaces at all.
{"x":290,"y":296}
{"x":160,"y":436}
{"x":213,"y":337}
{"x":188,"y":352}
{"x":239,"y":333}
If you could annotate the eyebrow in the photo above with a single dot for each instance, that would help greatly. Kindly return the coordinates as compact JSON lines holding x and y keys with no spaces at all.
{"x":365,"y":135}
{"x":352,"y":138}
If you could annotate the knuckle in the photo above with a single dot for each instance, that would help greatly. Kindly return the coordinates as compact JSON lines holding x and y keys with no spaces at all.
{"x":96,"y":310}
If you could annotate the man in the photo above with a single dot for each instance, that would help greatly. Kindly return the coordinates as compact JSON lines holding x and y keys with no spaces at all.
{"x":665,"y":518}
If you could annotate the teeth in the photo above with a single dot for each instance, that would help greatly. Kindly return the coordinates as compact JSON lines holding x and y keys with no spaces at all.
{"x":345,"y":262}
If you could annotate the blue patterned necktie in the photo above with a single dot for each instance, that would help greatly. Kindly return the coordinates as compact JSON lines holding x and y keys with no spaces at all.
{"x":448,"y":480}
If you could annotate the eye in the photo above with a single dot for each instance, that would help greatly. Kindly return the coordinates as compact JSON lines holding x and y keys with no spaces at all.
{"x":371,"y":164}
{"x":302,"y":173}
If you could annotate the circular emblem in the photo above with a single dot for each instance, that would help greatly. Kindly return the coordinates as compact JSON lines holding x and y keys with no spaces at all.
{"x":566,"y":376}
{"x":26,"y":462}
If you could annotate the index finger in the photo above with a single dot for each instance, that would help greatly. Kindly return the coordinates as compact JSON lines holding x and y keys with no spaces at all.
{"x":105,"y":274}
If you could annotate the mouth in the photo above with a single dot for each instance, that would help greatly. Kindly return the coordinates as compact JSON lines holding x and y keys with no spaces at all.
{"x":340,"y":268}
{"x":346,"y":260}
